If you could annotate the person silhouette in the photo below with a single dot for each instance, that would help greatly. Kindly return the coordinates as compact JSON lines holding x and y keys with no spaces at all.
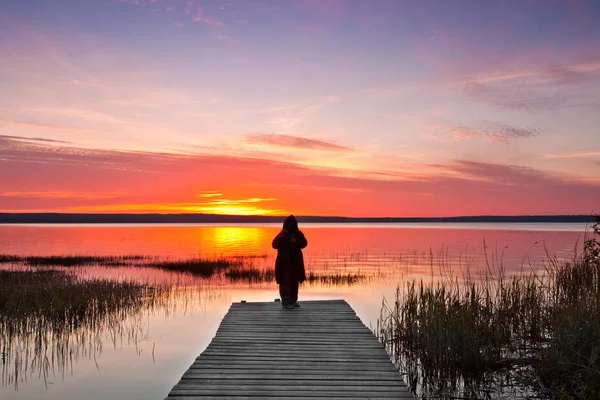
{"x":289,"y":265}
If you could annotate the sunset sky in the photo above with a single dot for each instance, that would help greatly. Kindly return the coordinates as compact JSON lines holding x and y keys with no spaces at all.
{"x":312,"y":107}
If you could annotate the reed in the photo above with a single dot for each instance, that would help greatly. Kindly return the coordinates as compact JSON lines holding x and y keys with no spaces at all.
{"x":250,"y":273}
{"x":335,"y":278}
{"x":70,"y":260}
{"x":203,"y":266}
{"x":198,"y":266}
{"x":538,"y":331}
{"x":48,"y":317}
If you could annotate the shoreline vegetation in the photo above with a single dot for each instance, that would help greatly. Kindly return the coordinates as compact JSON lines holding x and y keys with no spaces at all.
{"x":235,"y":269}
{"x":50,"y":318}
{"x":538,"y":332}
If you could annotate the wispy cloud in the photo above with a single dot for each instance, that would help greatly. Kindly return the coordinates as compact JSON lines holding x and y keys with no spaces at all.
{"x":294,"y":142}
{"x":490,"y":131}
{"x":292,"y":115}
{"x":539,"y":74}
{"x":193,"y":9}
{"x":59,"y":194}
{"x":46,"y":127}
{"x":33,"y":139}
{"x":577,"y":154}
{"x":532,"y":89}
{"x":210,"y":193}
{"x":507,"y":175}
{"x":521,"y":97}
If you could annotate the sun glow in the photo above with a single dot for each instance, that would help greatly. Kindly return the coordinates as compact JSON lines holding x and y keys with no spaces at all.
{"x":250,"y":206}
{"x":230,"y":238}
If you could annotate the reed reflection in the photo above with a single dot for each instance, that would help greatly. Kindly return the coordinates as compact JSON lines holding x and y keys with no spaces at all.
{"x":50,"y":319}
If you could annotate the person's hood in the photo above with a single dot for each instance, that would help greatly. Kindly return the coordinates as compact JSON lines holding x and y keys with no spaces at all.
{"x":291,"y":224}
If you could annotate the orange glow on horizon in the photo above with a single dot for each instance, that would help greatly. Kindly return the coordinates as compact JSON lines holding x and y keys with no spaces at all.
{"x":220,"y":207}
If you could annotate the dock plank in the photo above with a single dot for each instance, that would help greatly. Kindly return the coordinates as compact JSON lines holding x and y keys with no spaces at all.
{"x":320,"y":351}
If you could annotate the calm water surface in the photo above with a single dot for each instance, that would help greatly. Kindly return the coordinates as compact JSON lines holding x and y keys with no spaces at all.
{"x":147,"y":353}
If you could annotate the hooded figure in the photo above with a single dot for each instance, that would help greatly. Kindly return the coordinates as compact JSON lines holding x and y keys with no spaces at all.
{"x":289,"y":266}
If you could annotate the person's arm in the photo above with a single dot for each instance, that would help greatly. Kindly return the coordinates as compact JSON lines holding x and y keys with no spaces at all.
{"x":301,"y":239}
{"x":278,"y":241}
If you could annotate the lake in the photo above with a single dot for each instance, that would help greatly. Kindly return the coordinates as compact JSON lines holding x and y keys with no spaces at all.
{"x":146,"y":354}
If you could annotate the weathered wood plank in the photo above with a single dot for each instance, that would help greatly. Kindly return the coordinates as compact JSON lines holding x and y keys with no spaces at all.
{"x":289,"y":396}
{"x":323,"y":387}
{"x":321,"y":350}
{"x":267,"y":382}
{"x":266,"y":368}
{"x":233,"y":378}
{"x":231,"y":391}
{"x":292,"y":345}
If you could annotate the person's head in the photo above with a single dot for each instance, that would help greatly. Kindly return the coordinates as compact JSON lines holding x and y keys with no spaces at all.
{"x":291,"y":224}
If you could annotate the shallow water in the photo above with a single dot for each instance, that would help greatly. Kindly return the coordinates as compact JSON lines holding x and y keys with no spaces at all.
{"x":147,"y":354}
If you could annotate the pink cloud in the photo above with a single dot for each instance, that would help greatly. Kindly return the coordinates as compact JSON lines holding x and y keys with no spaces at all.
{"x":544,"y":87}
{"x":32,"y":139}
{"x":45,"y":127}
{"x":577,"y":154}
{"x":60,"y":194}
{"x":294,"y":142}
{"x":461,"y":187}
{"x":490,"y":131}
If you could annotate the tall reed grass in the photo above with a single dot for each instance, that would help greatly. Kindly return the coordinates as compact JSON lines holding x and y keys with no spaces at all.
{"x":47,"y":317}
{"x":538,"y":331}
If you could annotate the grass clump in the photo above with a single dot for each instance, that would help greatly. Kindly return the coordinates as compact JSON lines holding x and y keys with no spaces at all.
{"x":335,"y":278}
{"x":198,"y":266}
{"x":60,"y":298}
{"x":250,"y":274}
{"x":47,"y":317}
{"x":70,"y":260}
{"x":541,"y":333}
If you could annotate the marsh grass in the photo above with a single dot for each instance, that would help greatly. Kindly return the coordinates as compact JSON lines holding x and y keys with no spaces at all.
{"x":71,"y":260}
{"x":199,"y":266}
{"x":48,"y":318}
{"x":335,"y":278}
{"x":202,"y":266}
{"x":250,"y":273}
{"x":233,"y":268}
{"x":469,"y":337}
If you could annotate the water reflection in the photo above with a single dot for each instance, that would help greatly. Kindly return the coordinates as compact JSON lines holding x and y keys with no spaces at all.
{"x":141,"y":350}
{"x":230,"y":239}
{"x":46,"y":345}
{"x":324,"y":241}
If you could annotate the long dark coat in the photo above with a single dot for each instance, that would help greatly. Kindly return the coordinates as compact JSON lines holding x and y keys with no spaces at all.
{"x":290,"y":261}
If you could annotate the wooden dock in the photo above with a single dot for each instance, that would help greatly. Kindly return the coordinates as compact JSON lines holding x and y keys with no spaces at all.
{"x":321,"y":350}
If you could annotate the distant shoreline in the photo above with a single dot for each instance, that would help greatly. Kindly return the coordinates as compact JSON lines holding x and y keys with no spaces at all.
{"x":57,"y":218}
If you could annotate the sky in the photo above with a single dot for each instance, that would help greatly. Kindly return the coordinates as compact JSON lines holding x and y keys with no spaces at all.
{"x":312,"y":107}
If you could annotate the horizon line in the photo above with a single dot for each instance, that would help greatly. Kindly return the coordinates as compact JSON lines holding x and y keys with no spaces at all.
{"x":56,"y":217}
